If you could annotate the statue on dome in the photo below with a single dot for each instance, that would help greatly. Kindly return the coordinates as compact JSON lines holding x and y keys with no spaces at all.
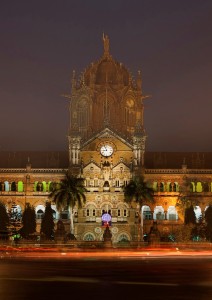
{"x":106,"y":44}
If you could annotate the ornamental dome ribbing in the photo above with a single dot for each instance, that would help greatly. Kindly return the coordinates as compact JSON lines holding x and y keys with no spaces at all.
{"x":106,"y":70}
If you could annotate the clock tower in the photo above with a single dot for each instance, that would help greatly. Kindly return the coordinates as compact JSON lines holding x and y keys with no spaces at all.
{"x":106,"y":132}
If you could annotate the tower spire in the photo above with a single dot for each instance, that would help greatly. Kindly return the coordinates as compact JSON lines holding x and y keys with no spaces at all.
{"x":106,"y":44}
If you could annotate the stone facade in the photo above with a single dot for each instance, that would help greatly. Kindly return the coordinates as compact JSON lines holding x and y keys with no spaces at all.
{"x":107,"y":148}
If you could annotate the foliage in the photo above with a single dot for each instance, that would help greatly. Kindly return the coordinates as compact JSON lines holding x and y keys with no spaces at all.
{"x":4,"y":218}
{"x":184,"y":202}
{"x":190,"y":217}
{"x":199,"y":231}
{"x":47,"y":223}
{"x":70,"y":192}
{"x":28,"y":221}
{"x":138,"y":190}
{"x":183,"y":233}
{"x":208,"y":219}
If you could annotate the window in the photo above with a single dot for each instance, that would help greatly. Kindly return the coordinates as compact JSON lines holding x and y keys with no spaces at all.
{"x":40,"y":214}
{"x":89,"y":237}
{"x":20,"y":186}
{"x":64,"y":215}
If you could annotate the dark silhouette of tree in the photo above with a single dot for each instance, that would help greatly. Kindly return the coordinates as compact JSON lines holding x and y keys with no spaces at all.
{"x":208,"y":219}
{"x":138,"y":190}
{"x":28,"y":221}
{"x":70,"y":192}
{"x":47,"y":223}
{"x":190,"y":217}
{"x":4,"y":218}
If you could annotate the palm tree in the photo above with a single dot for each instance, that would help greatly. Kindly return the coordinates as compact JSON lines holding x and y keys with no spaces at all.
{"x":70,"y":192}
{"x":138,"y":190}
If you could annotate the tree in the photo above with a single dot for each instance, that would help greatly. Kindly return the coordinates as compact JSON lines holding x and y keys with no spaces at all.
{"x":4,"y":218}
{"x":183,"y":233}
{"x":70,"y":192}
{"x":28,"y":221}
{"x":47,"y":223}
{"x":208,"y":219}
{"x":190,"y":217}
{"x":138,"y":190}
{"x":186,"y":208}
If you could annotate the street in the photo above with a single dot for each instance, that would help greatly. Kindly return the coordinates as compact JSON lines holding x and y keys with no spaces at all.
{"x":106,"y":275}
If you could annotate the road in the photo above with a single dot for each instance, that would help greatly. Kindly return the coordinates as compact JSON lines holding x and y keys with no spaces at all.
{"x":107,"y":275}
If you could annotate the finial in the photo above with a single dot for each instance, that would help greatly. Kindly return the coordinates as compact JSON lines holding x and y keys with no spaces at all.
{"x":73,"y":80}
{"x":139,"y":81}
{"x":73,"y":74}
{"x":106,"y":43}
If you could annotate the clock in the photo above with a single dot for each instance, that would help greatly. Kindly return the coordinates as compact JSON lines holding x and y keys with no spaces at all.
{"x":106,"y":150}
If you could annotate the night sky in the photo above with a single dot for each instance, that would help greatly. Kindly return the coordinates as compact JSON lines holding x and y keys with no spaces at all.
{"x":41,"y":42}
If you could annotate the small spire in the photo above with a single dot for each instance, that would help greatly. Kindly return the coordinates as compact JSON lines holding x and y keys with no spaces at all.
{"x":106,"y":44}
{"x":73,"y":80}
{"x":139,"y":81}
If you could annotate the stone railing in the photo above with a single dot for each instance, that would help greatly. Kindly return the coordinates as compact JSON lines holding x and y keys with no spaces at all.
{"x":178,"y":171}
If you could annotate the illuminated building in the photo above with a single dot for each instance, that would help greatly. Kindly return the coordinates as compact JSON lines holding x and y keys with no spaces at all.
{"x":107,"y":148}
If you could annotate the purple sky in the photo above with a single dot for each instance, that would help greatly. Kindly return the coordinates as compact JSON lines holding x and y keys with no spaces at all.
{"x":43,"y":41}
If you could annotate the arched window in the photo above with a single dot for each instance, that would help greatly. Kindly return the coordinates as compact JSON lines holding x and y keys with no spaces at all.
{"x":199,"y":187}
{"x":89,"y":237}
{"x":169,"y":187}
{"x":192,"y":187}
{"x":6,"y":186}
{"x":35,"y":186}
{"x":44,"y":186}
{"x":20,"y":186}
{"x":39,"y":187}
{"x":172,"y":213}
{"x":175,"y":187}
{"x":40,"y":214}
{"x":147,"y":215}
{"x":155,"y":186}
{"x":39,"y":210}
{"x":122,"y":212}
{"x":161,"y":187}
{"x":90,"y":212}
{"x":13,"y":186}
{"x":49,"y":186}
{"x":83,"y":114}
{"x":123,"y":237}
{"x":159,"y":213}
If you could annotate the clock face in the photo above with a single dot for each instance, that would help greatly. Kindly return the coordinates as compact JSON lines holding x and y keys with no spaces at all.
{"x":106,"y":150}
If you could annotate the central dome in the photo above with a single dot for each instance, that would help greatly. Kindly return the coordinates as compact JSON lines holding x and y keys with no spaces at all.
{"x":106,"y":70}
